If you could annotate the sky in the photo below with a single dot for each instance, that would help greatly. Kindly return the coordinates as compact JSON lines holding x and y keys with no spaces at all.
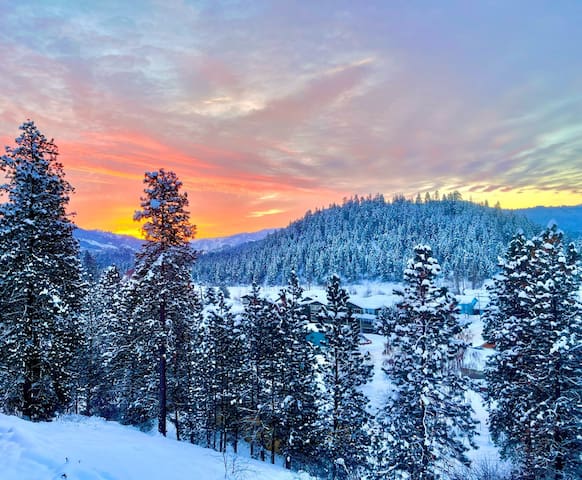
{"x":265,"y":109}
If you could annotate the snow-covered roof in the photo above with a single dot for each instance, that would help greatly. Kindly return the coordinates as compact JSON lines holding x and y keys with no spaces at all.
{"x":374,"y":301}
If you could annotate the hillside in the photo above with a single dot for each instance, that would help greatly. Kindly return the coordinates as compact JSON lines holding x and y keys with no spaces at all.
{"x":372,"y":239}
{"x":82,"y":448}
{"x":90,"y":448}
{"x":568,"y":218}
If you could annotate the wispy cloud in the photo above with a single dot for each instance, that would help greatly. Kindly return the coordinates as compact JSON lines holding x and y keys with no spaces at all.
{"x":269,"y":108}
{"x":262,"y":213}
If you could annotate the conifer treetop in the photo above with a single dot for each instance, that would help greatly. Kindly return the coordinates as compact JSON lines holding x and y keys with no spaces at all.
{"x":167,"y":222}
{"x":33,"y":162}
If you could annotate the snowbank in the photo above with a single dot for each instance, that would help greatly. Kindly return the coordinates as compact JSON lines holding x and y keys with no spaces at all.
{"x":81,"y":448}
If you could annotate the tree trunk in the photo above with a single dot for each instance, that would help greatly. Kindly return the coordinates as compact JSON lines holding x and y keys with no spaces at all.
{"x":177,"y":420}
{"x":163,"y":385}
{"x":273,"y":445}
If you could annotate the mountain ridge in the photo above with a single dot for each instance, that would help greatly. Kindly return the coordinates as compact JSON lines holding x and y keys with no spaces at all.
{"x":567,"y":217}
{"x":110,"y":248}
{"x":371,"y":238}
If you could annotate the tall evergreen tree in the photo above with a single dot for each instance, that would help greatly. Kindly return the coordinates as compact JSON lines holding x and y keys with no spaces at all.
{"x":427,"y":416}
{"x":343,"y":418}
{"x":260,"y":324}
{"x":295,"y":361}
{"x":162,"y":285}
{"x":198,"y":377}
{"x":534,"y":379}
{"x":229,"y":349}
{"x":105,"y":334}
{"x":40,"y":280}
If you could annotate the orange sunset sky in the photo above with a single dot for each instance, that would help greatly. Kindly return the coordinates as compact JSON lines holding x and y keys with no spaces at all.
{"x":268,"y":108}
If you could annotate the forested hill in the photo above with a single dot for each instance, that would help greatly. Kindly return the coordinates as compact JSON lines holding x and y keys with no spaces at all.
{"x":370,"y":238}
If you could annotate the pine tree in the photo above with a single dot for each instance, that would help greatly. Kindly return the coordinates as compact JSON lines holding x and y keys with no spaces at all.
{"x":343,"y":415}
{"x":230,"y":352}
{"x":198,"y":425}
{"x":40,"y":280}
{"x":106,"y":336}
{"x":89,"y":364}
{"x":260,"y":325}
{"x":162,"y":289}
{"x":126,"y":367}
{"x":183,"y":366}
{"x":533,"y":379}
{"x":295,"y":361}
{"x":427,"y":417}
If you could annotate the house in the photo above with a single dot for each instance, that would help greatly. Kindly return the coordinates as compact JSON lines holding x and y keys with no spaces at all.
{"x":366,"y":310}
{"x":314,"y":306}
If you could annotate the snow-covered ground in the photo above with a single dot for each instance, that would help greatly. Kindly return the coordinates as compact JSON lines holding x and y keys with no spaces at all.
{"x":81,"y":448}
{"x":379,"y":388}
{"x":374,"y":293}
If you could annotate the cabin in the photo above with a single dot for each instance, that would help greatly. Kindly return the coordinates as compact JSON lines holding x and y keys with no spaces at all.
{"x":366,"y":310}
{"x":314,"y":307}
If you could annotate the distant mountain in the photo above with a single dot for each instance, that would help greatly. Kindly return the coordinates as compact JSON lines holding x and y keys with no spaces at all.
{"x":113,"y":249}
{"x":99,"y":241}
{"x":370,"y":238}
{"x":568,"y":218}
{"x":220,"y":243}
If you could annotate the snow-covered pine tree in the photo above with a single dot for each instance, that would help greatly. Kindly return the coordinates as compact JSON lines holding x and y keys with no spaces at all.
{"x":101,"y":395}
{"x":259,"y":324}
{"x":127,"y":368}
{"x":534,"y":385}
{"x":229,"y":350}
{"x":89,"y":362}
{"x":506,"y":322}
{"x":427,"y":417}
{"x":506,"y":301}
{"x":343,"y":415}
{"x":162,"y":286}
{"x":40,"y":280}
{"x":198,"y":425}
{"x":296,"y":363}
{"x":182,"y":384}
{"x":91,"y":268}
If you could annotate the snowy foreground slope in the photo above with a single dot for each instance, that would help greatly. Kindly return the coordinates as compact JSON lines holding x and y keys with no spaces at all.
{"x":92,"y":449}
{"x":81,"y":448}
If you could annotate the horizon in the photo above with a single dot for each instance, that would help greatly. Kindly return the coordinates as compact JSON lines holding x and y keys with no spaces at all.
{"x":250,"y":232}
{"x":267,"y":109}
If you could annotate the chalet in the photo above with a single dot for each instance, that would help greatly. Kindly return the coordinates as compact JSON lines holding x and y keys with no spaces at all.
{"x":365,"y":310}
{"x":315,"y":306}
